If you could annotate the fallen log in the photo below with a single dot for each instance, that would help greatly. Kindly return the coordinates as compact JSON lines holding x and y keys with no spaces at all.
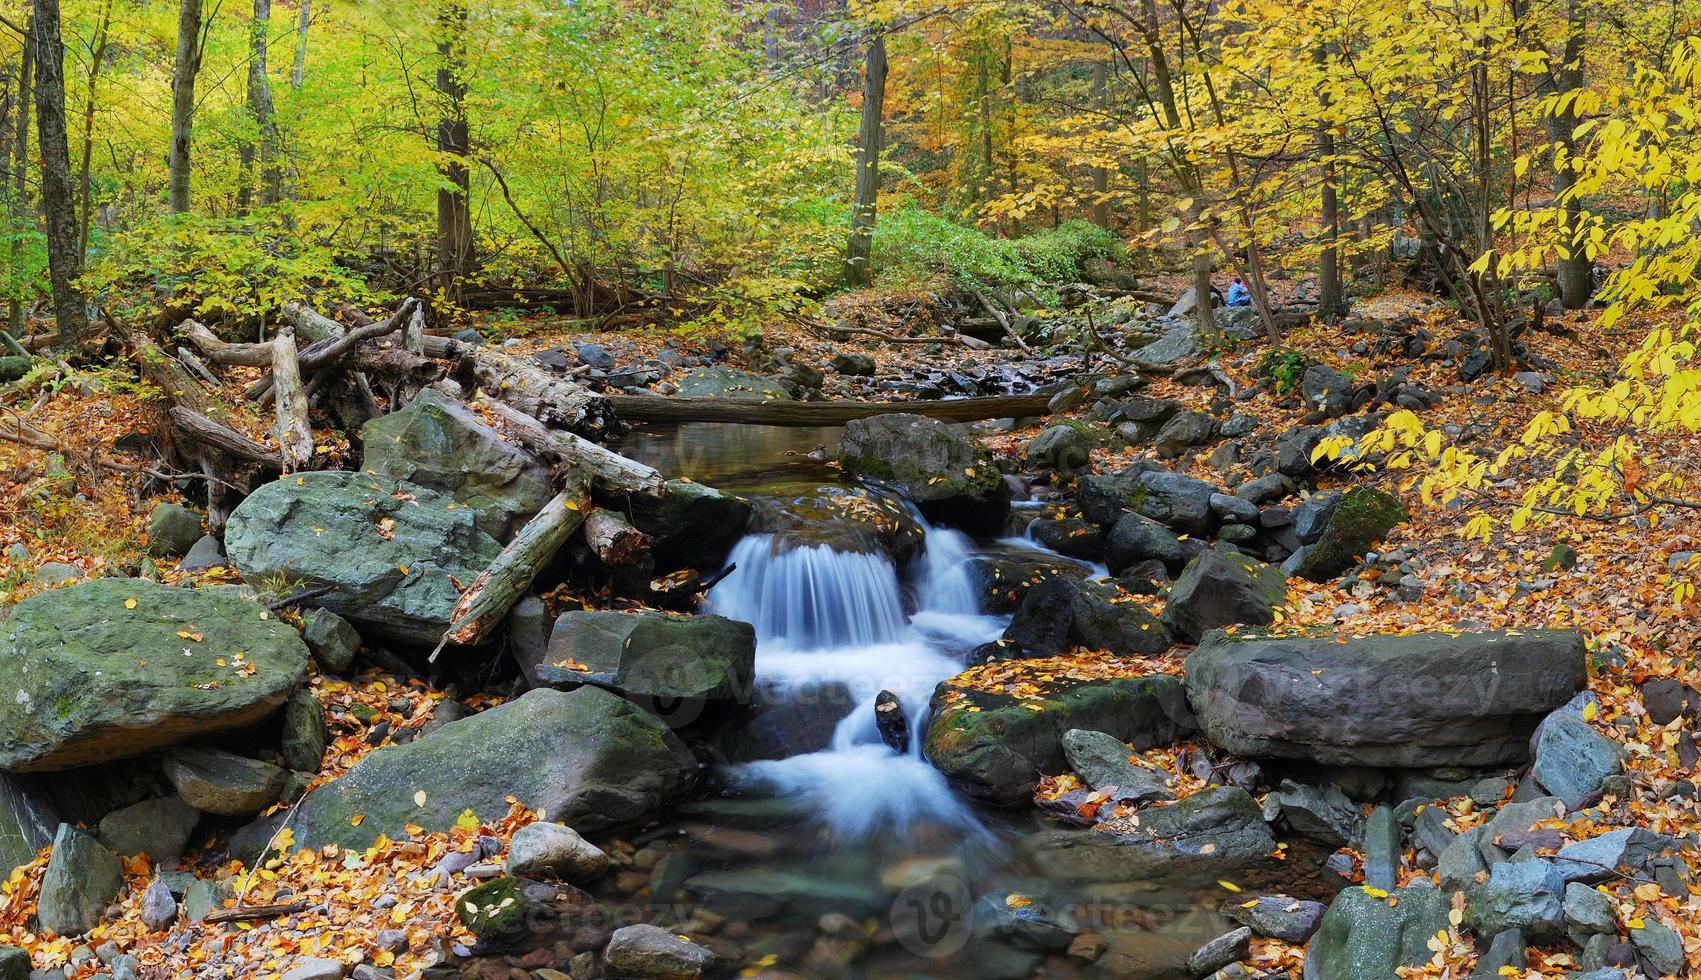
{"x":604,"y":465}
{"x":483,"y":606}
{"x":654,"y":408}
{"x":312,"y":325}
{"x":324,"y":353}
{"x":216,"y":435}
{"x":295,"y":436}
{"x":556,"y":402}
{"x":613,"y":538}
{"x":13,"y":368}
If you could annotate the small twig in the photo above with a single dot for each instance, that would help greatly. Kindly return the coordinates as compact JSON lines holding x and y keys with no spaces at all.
{"x":251,"y":913}
{"x":301,"y":596}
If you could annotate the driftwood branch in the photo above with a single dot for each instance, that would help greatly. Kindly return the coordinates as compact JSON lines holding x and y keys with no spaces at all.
{"x":483,"y":605}
{"x":295,"y":437}
{"x":604,"y":465}
{"x":216,"y":435}
{"x":613,"y":538}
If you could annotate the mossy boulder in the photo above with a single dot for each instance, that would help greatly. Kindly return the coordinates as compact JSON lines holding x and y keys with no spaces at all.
{"x":585,"y":758}
{"x":939,"y":466}
{"x":438,"y":443}
{"x":392,"y":552}
{"x":1365,"y":937}
{"x":690,"y":525}
{"x":722,"y":382}
{"x":1219,"y":589}
{"x":994,"y":747}
{"x":115,"y":668}
{"x":1363,"y":517}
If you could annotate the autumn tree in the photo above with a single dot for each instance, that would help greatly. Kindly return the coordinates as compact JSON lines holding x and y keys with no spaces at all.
{"x":58,"y":197}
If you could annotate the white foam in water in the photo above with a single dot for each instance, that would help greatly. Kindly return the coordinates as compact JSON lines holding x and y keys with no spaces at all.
{"x":826,"y":615}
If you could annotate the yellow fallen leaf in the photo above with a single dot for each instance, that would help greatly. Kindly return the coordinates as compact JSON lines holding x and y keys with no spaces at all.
{"x":419,"y":798}
{"x":130,"y":603}
{"x":357,"y":820}
{"x":1228,"y":886}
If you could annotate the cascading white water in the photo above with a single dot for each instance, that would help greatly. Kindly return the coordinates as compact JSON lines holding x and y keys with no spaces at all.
{"x":827,"y":615}
{"x":810,"y":596}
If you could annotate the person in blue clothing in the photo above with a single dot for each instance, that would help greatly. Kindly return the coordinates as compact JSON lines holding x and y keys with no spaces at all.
{"x":1237,"y":294}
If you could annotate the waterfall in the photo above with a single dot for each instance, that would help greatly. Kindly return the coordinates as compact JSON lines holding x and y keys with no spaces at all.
{"x":809,"y":597}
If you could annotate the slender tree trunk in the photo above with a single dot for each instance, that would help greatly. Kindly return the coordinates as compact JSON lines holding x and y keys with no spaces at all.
{"x":298,"y":70}
{"x":58,"y":199}
{"x":1329,"y":300}
{"x":870,"y":139}
{"x":1101,"y":175}
{"x":22,"y":213}
{"x":1198,"y":234}
{"x":1576,"y":269}
{"x":95,"y":60}
{"x":983,"y":99}
{"x":454,"y":216}
{"x":183,"y":74}
{"x":260,"y":106}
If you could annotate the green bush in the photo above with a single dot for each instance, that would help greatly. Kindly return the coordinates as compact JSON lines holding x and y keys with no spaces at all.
{"x":912,"y":245}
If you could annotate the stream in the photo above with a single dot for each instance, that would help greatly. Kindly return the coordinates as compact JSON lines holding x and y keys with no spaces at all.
{"x":811,"y":815}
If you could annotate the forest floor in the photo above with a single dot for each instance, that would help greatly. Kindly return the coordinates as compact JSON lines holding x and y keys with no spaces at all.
{"x":1620,"y":592}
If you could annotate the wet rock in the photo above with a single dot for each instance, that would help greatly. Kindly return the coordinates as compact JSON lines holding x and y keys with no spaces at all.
{"x":1103,"y":619}
{"x":502,"y":912}
{"x":1025,"y":921}
{"x":1366,"y":938}
{"x":158,"y":828}
{"x":1361,"y":518}
{"x":657,"y":659}
{"x":1666,"y":700}
{"x":1103,"y":761}
{"x":1420,"y":700}
{"x":1524,"y":895}
{"x":949,"y":475}
{"x":551,"y":850}
{"x":1064,"y":448}
{"x":588,"y":759}
{"x":1219,"y":589}
{"x":1321,"y":813}
{"x":82,"y":878}
{"x":892,"y":722}
{"x":1070,"y":536}
{"x":1003,"y":580}
{"x":230,"y":785}
{"x":648,"y":952}
{"x":392,"y":551}
{"x":1572,"y":759}
{"x":316,"y":968}
{"x":995,"y":754}
{"x":115,"y":668}
{"x":1206,"y":833}
{"x":1505,"y":950}
{"x":1662,"y":947}
{"x":1291,"y":920}
{"x":172,"y":530}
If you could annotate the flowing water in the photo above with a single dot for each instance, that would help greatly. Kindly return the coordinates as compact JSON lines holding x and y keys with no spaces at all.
{"x":814,"y":814}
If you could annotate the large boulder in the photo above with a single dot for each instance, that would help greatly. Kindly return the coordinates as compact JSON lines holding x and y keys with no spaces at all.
{"x":1208,"y":834}
{"x":994,"y":747}
{"x":1415,"y":701}
{"x":690,"y":525}
{"x":438,"y":443}
{"x":392,"y":552}
{"x":1179,"y":502}
{"x":939,"y":466}
{"x":655,"y":658}
{"x":1134,"y":539}
{"x":587,"y":758}
{"x":115,"y":668}
{"x":1221,"y":589}
{"x":1368,"y":937}
{"x":1361,"y":518}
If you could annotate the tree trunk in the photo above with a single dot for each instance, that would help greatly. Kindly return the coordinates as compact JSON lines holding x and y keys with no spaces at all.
{"x":607,"y":467}
{"x":1575,"y":268}
{"x":260,"y":106}
{"x":95,"y":59}
{"x":298,"y":70}
{"x":1329,"y":299}
{"x":454,"y":217}
{"x":183,"y":74}
{"x":613,"y":538}
{"x":20,"y":197}
{"x":1101,"y":175}
{"x":860,"y":250}
{"x":58,"y":198}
